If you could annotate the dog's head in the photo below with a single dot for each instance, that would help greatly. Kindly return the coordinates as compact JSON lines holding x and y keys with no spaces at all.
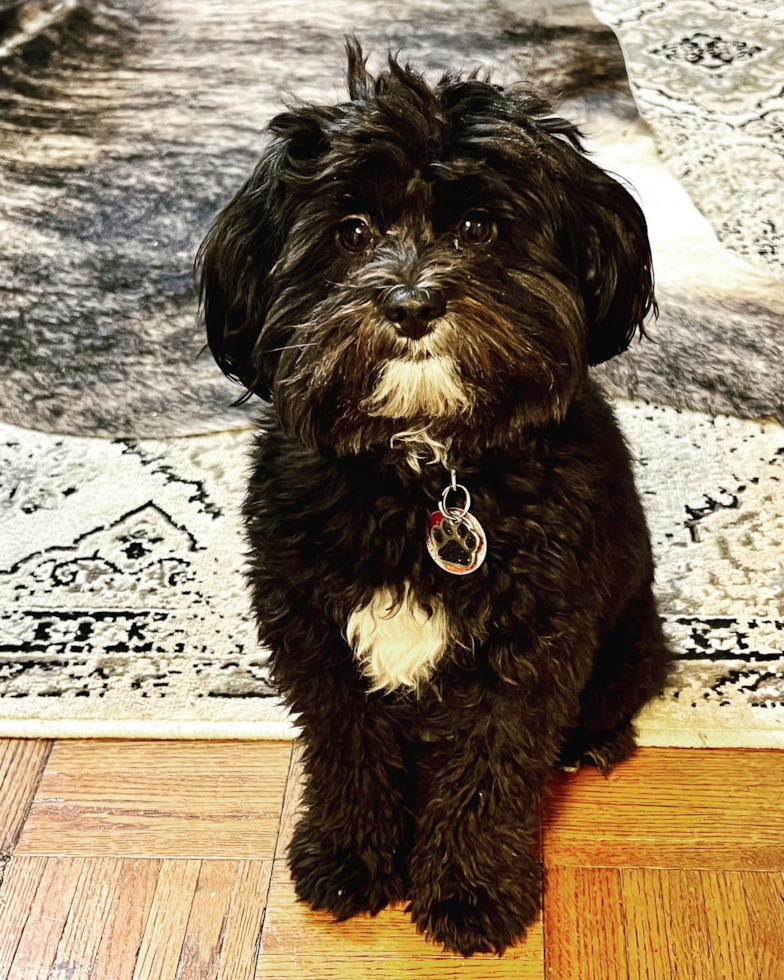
{"x":441,"y":257}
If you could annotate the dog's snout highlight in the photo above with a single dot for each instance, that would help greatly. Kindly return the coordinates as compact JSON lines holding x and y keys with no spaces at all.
{"x":413,"y":309}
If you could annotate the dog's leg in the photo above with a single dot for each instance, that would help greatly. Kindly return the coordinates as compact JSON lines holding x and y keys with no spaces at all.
{"x":475,"y":879}
{"x":349,"y":849}
{"x":630,"y":668}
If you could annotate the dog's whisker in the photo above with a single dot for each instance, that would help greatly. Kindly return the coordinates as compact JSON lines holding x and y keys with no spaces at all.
{"x":271,"y":350}
{"x":345,"y":284}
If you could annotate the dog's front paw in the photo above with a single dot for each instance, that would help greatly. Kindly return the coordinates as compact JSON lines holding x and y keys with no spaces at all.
{"x":468,"y":921}
{"x":339,"y":880}
{"x":604,"y":748}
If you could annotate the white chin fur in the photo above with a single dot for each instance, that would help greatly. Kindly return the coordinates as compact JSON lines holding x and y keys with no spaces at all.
{"x":408,"y":388}
{"x":397,"y":647}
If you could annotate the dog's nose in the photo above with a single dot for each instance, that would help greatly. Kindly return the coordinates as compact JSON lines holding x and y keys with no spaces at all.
{"x":412,"y":309}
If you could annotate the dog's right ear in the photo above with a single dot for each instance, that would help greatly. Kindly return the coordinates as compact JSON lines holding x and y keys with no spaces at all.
{"x":236,"y":260}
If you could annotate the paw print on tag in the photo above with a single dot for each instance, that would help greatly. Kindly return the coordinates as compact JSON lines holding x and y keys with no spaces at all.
{"x":456,"y":543}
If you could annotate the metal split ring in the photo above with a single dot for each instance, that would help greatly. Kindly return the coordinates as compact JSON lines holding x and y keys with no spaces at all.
{"x":453,"y":512}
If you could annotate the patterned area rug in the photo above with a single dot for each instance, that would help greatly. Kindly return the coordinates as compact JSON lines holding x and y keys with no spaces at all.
{"x":707,"y":77}
{"x":124,"y":611}
{"x":124,"y":125}
{"x":122,"y":604}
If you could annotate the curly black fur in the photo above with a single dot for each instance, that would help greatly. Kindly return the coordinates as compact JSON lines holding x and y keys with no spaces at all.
{"x":431,"y":793}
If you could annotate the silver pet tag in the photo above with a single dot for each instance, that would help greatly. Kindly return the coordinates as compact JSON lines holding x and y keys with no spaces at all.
{"x":455,"y":538}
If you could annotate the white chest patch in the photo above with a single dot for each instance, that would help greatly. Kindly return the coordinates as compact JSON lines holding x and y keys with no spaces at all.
{"x":397,"y":647}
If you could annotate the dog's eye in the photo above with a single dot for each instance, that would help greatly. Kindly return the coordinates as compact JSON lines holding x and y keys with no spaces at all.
{"x":476,"y":228}
{"x":354,"y":235}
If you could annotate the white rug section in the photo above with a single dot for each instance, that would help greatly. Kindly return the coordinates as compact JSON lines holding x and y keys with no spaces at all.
{"x":707,"y":76}
{"x":714,"y":495}
{"x":121,"y":595}
{"x":124,"y":613}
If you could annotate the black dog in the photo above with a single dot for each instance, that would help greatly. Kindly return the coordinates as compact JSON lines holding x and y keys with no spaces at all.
{"x":418,"y":279}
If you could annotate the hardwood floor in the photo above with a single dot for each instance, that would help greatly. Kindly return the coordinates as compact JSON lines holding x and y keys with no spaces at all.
{"x":159,"y":799}
{"x":164,"y":861}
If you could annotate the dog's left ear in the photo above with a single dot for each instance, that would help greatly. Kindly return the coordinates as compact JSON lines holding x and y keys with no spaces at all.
{"x":604,"y":238}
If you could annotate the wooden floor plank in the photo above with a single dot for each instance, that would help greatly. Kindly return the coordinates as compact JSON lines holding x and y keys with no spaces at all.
{"x":765,"y":904}
{"x":84,"y":927}
{"x":562,"y":924}
{"x":645,"y":925}
{"x":126,"y":920}
{"x":677,"y":808}
{"x":584,"y":932}
{"x":729,"y":927}
{"x":20,"y":886}
{"x":164,"y":932}
{"x":687,"y":928}
{"x":203,"y":942}
{"x":325,"y":966}
{"x":242,"y":940}
{"x":49,"y":911}
{"x":159,"y":799}
{"x":21,"y":765}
